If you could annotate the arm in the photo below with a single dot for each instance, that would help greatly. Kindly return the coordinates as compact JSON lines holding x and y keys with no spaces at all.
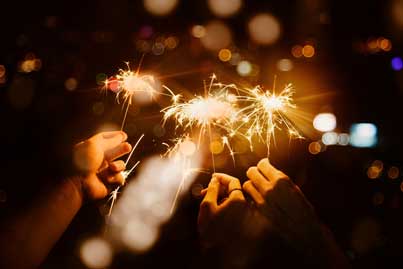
{"x":26,"y":239}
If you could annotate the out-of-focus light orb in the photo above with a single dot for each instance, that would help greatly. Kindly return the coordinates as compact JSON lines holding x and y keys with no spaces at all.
{"x":285,"y":65}
{"x":224,"y":55}
{"x":315,"y":148}
{"x":397,"y":63}
{"x":385,"y":44}
{"x":363,"y":135}
{"x":308,"y":51}
{"x":138,"y":235}
{"x":158,"y":48}
{"x":217,"y":36}
{"x":224,"y":8}
{"x":171,"y":42}
{"x":198,"y":31}
{"x":329,"y":138}
{"x":244,"y":68}
{"x":397,"y":12}
{"x":187,"y":148}
{"x":160,"y":7}
{"x":325,"y":122}
{"x":373,"y":172}
{"x":96,"y":253}
{"x":264,"y":29}
{"x":378,"y":164}
{"x":343,"y":139}
{"x":216,"y":147}
{"x":71,"y":84}
{"x":393,"y":172}
{"x":296,"y":51}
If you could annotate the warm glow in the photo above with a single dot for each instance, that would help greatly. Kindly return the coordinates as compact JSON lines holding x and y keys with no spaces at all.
{"x":264,"y":29}
{"x":224,"y":55}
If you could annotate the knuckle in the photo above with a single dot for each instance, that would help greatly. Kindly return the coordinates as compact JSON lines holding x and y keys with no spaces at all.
{"x":267,"y":190}
{"x":246,"y":185}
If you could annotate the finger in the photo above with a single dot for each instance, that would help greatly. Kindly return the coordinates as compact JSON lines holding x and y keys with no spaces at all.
{"x":117,"y":166}
{"x":112,"y":134}
{"x":117,"y":151}
{"x":233,"y":185}
{"x":115,"y":179}
{"x":212,"y":192}
{"x":250,"y":189}
{"x":269,"y":171}
{"x":110,"y":141}
{"x":258,"y":180}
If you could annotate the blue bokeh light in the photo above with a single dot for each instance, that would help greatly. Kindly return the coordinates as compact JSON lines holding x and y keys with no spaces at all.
{"x":363,"y":135}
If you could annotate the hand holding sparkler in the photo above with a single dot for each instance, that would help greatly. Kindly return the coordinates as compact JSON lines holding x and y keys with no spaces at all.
{"x":292,"y":216}
{"x":95,"y":159}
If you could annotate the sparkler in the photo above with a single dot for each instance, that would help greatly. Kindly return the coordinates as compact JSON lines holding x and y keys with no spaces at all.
{"x":128,"y":83}
{"x":265,"y":112}
{"x":216,"y":109}
{"x":114,"y":194}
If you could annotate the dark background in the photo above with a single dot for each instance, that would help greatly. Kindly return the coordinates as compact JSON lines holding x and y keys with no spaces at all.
{"x":81,"y":39}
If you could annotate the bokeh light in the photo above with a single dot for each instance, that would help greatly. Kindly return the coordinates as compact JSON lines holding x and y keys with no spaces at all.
{"x":363,"y":135}
{"x":308,"y":51}
{"x":343,"y":139}
{"x":96,"y":253}
{"x":393,"y":172}
{"x":224,"y":55}
{"x":198,"y":31}
{"x":325,"y":122}
{"x":187,"y":148}
{"x":217,"y":36}
{"x":296,"y":51}
{"x":285,"y":65}
{"x":264,"y":29}
{"x":244,"y":68}
{"x":71,"y":84}
{"x":160,"y":7}
{"x":330,"y":138}
{"x":224,"y":8}
{"x":397,"y":63}
{"x":314,"y":148}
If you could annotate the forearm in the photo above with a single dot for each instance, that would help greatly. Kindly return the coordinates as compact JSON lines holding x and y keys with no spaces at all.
{"x":27,"y":239}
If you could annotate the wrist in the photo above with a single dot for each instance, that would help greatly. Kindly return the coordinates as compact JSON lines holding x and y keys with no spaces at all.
{"x":76,"y":183}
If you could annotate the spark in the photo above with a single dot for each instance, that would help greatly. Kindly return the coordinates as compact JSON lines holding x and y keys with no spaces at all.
{"x":216,"y":110}
{"x":264,"y":112}
{"x":114,"y":194}
{"x":128,"y":83}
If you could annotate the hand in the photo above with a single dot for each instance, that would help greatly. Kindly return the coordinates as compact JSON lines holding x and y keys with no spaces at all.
{"x":219,"y":222}
{"x":291,"y":214}
{"x":94,"y":159}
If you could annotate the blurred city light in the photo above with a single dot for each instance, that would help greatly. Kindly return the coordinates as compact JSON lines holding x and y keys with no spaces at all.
{"x":308,"y":51}
{"x":224,"y":8}
{"x":296,"y":51}
{"x":343,"y":139}
{"x":285,"y":65}
{"x":264,"y":29}
{"x":324,"y":122}
{"x":160,"y":7}
{"x":397,"y":63}
{"x":217,"y":36}
{"x":96,"y":253}
{"x":315,"y":148}
{"x":393,"y":172}
{"x":330,"y":138}
{"x":198,"y":31}
{"x":224,"y":55}
{"x":244,"y":68}
{"x":363,"y":135}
